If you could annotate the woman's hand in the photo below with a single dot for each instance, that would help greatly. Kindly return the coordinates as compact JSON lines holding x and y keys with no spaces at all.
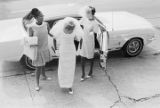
{"x":103,"y":28}
{"x":50,"y":34}
{"x":48,"y":28}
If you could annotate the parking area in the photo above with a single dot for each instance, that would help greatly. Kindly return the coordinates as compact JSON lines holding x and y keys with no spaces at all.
{"x":128,"y":82}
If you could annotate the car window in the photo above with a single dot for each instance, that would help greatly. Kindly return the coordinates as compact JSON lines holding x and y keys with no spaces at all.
{"x":52,"y":22}
{"x":78,"y":18}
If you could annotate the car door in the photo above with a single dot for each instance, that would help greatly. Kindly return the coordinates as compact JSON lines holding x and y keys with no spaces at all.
{"x":107,"y":18}
{"x":11,"y":46}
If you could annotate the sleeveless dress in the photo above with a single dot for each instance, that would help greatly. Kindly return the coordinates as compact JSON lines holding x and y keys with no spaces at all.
{"x":67,"y":53}
{"x":88,"y":44}
{"x":43,"y":54}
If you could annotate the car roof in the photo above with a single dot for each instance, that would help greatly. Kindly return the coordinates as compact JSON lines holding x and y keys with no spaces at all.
{"x":60,"y":10}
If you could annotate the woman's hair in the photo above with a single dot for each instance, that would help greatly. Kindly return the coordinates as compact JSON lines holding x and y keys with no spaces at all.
{"x":83,"y":11}
{"x":28,"y":16}
{"x":93,"y":10}
{"x":33,"y":13}
{"x":36,"y":12}
{"x":70,"y":25}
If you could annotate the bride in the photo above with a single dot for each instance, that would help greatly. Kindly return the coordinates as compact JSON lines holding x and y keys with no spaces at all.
{"x":65,"y":32}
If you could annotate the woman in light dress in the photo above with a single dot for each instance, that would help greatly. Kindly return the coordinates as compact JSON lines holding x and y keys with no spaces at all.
{"x":66,"y":31}
{"x":41,"y":30}
{"x":91,"y":28}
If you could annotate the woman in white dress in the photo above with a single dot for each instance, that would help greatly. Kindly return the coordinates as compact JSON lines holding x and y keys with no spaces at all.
{"x":65,"y":32}
{"x":91,"y":28}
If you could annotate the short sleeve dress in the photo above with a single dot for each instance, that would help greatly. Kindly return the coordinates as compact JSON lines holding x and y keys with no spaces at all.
{"x":43,"y":54}
{"x":88,"y":44}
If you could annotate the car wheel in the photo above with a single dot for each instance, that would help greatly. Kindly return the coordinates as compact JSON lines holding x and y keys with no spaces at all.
{"x":133,"y":47}
{"x":27,"y":62}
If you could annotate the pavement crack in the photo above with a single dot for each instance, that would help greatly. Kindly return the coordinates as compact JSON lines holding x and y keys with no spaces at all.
{"x":11,"y":75}
{"x":116,"y":89}
{"x":19,"y":74}
{"x":114,"y":104}
{"x":28,"y":86}
{"x":142,"y":99}
{"x":114,"y":85}
{"x":120,"y":98}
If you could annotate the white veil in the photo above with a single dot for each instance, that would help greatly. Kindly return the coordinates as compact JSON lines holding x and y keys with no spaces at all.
{"x":57,"y":29}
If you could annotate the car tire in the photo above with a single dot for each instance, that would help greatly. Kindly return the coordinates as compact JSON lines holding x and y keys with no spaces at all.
{"x":27,"y":62}
{"x":133,"y":47}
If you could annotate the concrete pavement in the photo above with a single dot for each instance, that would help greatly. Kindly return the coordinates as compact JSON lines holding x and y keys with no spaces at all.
{"x":18,"y":92}
{"x":129,"y":82}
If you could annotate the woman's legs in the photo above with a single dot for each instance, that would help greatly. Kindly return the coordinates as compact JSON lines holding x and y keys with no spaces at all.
{"x":83,"y":62}
{"x":91,"y":67}
{"x":44,"y":74}
{"x":38,"y":72}
{"x":70,"y":90}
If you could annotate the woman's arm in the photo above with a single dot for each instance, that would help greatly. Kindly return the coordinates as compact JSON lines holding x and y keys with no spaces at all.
{"x":48,"y":28}
{"x":54,"y":40}
{"x":102,"y":27}
{"x":30,"y":32}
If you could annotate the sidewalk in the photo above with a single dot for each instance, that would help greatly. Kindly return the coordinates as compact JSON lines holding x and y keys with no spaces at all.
{"x":18,"y":92}
{"x":129,"y":83}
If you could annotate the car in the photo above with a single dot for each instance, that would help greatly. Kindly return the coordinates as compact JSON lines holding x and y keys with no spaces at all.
{"x":126,"y":31}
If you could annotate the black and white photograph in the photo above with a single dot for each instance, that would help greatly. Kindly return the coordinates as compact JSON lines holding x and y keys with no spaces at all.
{"x":79,"y":54}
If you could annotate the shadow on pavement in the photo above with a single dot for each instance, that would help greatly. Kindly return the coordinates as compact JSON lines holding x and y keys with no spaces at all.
{"x":9,"y":68}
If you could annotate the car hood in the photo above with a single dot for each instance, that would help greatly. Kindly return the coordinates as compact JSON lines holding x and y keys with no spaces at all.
{"x":121,"y":20}
{"x":11,"y":29}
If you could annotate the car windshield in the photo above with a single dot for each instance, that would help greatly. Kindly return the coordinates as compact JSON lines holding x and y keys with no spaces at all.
{"x":52,"y":22}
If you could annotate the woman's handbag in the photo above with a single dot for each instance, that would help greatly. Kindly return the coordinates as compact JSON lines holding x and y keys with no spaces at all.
{"x":30,"y":47}
{"x":31,"y":41}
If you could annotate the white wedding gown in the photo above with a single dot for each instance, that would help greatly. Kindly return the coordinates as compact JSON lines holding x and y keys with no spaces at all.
{"x":67,"y":51}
